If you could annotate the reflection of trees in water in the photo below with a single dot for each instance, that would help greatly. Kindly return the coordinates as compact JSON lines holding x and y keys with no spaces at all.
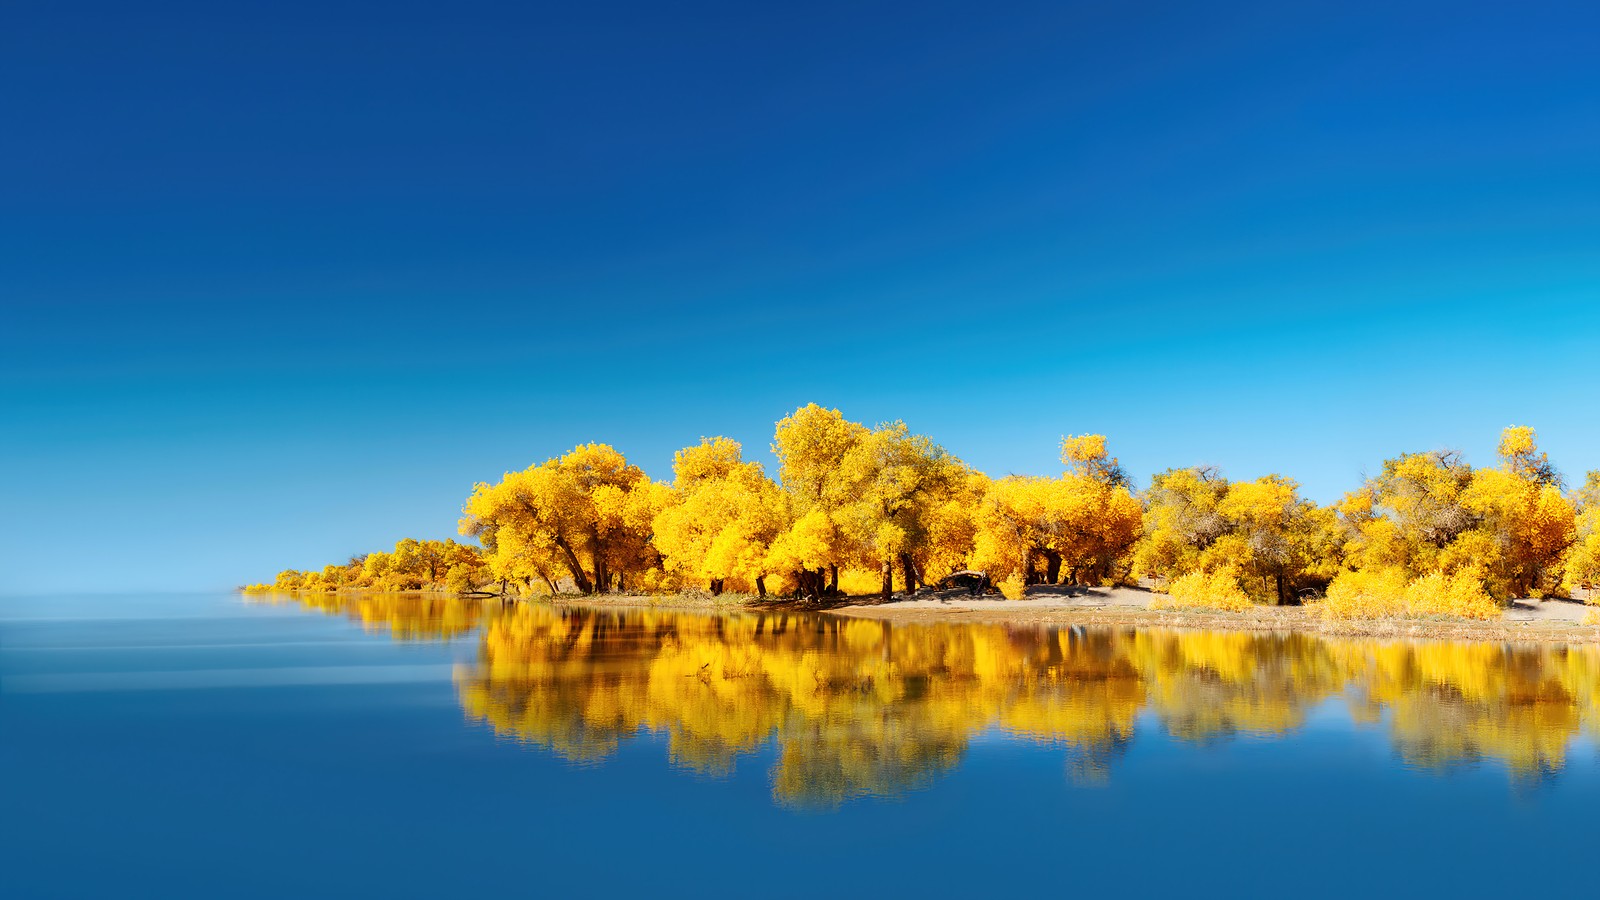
{"x":1209,"y":685}
{"x":405,"y":617}
{"x":860,"y":708}
{"x":1452,"y":704}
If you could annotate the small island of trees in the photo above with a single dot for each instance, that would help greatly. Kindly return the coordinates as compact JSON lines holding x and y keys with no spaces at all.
{"x":858,"y":510}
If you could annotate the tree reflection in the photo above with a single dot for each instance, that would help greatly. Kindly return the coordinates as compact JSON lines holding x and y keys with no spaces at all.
{"x":405,"y":617}
{"x":859,"y":708}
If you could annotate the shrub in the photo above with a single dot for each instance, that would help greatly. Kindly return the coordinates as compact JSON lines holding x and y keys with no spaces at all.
{"x":1012,"y":587}
{"x":1458,"y":594}
{"x":459,"y":580}
{"x":1365,"y":594}
{"x":1203,"y":590}
{"x":1385,"y":592}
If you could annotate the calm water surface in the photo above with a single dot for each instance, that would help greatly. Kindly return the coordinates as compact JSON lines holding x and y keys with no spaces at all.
{"x":212,"y":745}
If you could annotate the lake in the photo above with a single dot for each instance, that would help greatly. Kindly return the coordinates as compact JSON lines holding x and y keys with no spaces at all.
{"x":218,"y":745}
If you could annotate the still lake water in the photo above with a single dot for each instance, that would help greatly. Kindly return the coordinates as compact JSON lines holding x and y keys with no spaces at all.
{"x":220,"y":746}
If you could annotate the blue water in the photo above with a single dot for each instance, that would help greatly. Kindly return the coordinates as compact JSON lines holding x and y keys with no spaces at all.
{"x":212,"y":745}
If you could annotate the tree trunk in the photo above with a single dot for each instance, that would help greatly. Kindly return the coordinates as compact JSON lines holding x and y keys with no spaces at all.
{"x":888,"y":579}
{"x":1283,"y":597}
{"x":761,"y":586}
{"x":1052,"y":567}
{"x":716,"y":587}
{"x":580,"y":578}
{"x":833,"y":579}
{"x":909,"y":570}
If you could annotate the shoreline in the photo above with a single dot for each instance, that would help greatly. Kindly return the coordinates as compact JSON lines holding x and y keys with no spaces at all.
{"x":1550,"y":621}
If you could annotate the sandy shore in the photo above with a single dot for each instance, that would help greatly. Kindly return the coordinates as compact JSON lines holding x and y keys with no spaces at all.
{"x":1548,"y":621}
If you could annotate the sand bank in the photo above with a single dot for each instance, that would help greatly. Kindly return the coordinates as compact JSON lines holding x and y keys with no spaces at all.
{"x":1547,"y":621}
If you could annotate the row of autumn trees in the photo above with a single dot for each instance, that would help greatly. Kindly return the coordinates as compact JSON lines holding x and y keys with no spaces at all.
{"x":848,"y":499}
{"x":413,"y":566}
{"x":857,"y":509}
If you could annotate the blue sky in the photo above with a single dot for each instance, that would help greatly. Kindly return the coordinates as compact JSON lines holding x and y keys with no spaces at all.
{"x":281,"y":281}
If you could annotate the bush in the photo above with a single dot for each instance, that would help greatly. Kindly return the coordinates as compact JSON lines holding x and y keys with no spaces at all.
{"x":1385,"y":592}
{"x":1203,"y":590}
{"x":1458,"y":594}
{"x":459,"y":580}
{"x":1012,"y":587}
{"x":1367,"y":594}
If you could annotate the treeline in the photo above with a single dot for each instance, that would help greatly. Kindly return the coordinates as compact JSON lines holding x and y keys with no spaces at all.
{"x":857,"y":509}
{"x":413,"y":566}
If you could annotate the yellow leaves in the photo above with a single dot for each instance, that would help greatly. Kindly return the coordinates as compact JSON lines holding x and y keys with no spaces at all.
{"x":1261,"y":530}
{"x":1581,"y":563}
{"x":1012,"y":587}
{"x":586,"y":514}
{"x":1365,"y":594}
{"x":1266,"y":501}
{"x":721,"y":515}
{"x":1516,"y":441}
{"x":1085,"y":455}
{"x":414,"y":565}
{"x":811,"y":444}
{"x":713,"y":459}
{"x":1088,"y":523}
{"x":1458,"y":594}
{"x":857,"y":498}
{"x":1386,"y":592}
{"x":1356,"y":505}
{"x":807,"y":544}
{"x":1088,"y":448}
{"x":1512,"y":522}
{"x":889,"y":537}
{"x":1202,"y":590}
{"x":860,"y":707}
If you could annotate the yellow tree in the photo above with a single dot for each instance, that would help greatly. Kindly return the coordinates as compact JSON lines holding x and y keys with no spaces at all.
{"x":894,"y":481}
{"x":1581,"y":567}
{"x":590,"y":510}
{"x":1104,"y":519}
{"x":1182,"y":520}
{"x":811,"y":445}
{"x":721,"y":518}
{"x":1084,"y":522}
{"x":1278,"y":542}
{"x":1523,"y":523}
{"x":951,"y":522}
{"x":1424,"y":494}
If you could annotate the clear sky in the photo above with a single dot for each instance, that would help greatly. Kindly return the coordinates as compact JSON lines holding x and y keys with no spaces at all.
{"x":281,"y":281}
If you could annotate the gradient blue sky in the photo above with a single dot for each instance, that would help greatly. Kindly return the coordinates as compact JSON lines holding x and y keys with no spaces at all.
{"x":281,"y":280}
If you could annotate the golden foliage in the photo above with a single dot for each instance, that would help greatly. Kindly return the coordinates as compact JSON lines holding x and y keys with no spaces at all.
{"x":859,"y":510}
{"x":1386,"y":592}
{"x":1431,"y":513}
{"x":1581,"y":564}
{"x":720,"y":518}
{"x":1206,"y":590}
{"x":586,"y":516}
{"x":1081,"y":525}
{"x":1365,"y":594}
{"x":1272,"y":543}
{"x":413,"y":566}
{"x":863,"y":708}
